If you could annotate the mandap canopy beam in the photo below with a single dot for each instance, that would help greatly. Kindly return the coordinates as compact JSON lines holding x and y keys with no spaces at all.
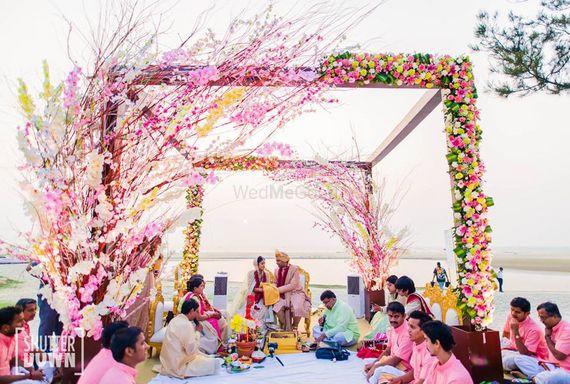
{"x":413,"y":118}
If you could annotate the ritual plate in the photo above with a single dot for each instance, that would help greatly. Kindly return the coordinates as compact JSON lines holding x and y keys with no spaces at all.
{"x":239,"y":369}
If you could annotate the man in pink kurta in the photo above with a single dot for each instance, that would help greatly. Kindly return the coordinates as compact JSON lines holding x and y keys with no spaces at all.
{"x":556,"y":367}
{"x":448,"y":372}
{"x":399,"y":349}
{"x":293,"y":303}
{"x":445,"y":369}
{"x":129,"y":348}
{"x":525,"y":336}
{"x":420,"y":359}
{"x":11,"y":319}
{"x":103,"y":361}
{"x":24,"y":338}
{"x":120,"y":374}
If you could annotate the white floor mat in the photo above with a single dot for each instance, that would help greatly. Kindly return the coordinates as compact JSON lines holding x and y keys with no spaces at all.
{"x":300,"y":368}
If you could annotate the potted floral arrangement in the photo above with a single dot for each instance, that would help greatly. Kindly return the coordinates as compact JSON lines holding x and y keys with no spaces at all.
{"x":245,"y":334}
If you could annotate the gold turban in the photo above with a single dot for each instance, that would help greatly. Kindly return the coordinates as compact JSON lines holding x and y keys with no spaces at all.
{"x":281,"y":256}
{"x":270,"y":294}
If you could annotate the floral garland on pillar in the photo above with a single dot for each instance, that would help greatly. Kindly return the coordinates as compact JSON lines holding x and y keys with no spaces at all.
{"x":195,"y":196}
{"x":189,"y":264}
{"x":454,"y":75}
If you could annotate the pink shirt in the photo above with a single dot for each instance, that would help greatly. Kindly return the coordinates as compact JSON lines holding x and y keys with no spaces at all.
{"x":452,"y":372}
{"x":119,"y":374}
{"x":24,"y":343}
{"x":420,"y":360}
{"x":97,"y":367}
{"x":400,"y":344}
{"x":532,"y":336}
{"x":561,"y":338}
{"x":7,"y":344}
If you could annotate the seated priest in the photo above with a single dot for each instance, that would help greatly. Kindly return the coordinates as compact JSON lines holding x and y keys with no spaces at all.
{"x":338,"y":322}
{"x":556,"y":367}
{"x":293,"y":302}
{"x":180,"y":356}
{"x":129,"y":348}
{"x":399,"y":349}
{"x":521,"y":335}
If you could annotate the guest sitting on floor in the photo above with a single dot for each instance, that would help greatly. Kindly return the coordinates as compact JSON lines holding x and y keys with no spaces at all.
{"x":446,"y":368}
{"x":412,"y":300}
{"x":522,"y":335}
{"x":293,"y":303}
{"x":24,"y":344}
{"x":180,"y":356}
{"x":399,"y":349}
{"x":556,"y":368}
{"x":338,"y":322}
{"x":421,"y":359}
{"x":12,"y":318}
{"x":24,"y":338}
{"x":214,"y":326}
{"x":129,"y":348}
{"x":103,"y":360}
{"x":379,"y":322}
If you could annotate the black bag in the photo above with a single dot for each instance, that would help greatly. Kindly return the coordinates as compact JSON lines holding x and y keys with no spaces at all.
{"x":329,"y":353}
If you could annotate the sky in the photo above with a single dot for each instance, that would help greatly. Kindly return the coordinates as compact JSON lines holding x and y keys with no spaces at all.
{"x":524,"y":142}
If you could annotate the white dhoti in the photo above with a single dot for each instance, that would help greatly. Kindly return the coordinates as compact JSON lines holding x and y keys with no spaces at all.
{"x":385,"y":369}
{"x":509,"y":356}
{"x":529,"y":365}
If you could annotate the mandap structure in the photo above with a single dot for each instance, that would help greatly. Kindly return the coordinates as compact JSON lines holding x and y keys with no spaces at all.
{"x":447,"y":80}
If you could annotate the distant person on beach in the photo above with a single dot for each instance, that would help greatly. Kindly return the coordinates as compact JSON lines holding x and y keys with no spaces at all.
{"x":500,"y":279}
{"x":412,"y":299}
{"x":556,"y":368}
{"x":440,"y":274}
{"x":522,"y":336}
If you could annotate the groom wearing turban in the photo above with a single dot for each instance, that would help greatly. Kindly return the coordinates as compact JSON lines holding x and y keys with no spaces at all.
{"x":293,"y":303}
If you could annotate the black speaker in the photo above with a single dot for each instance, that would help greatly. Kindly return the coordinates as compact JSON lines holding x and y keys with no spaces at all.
{"x":353,"y":285}
{"x":221,"y":285}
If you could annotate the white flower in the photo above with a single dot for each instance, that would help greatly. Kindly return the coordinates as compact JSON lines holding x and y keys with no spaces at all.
{"x":94,"y":168}
{"x":89,"y":318}
{"x":82,"y":268}
{"x":104,"y":209}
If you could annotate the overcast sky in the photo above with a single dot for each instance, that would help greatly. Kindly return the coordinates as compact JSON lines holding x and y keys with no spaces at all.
{"x":525,"y":140}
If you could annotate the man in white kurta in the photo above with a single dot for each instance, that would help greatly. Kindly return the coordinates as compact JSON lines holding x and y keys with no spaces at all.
{"x":180,"y":356}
